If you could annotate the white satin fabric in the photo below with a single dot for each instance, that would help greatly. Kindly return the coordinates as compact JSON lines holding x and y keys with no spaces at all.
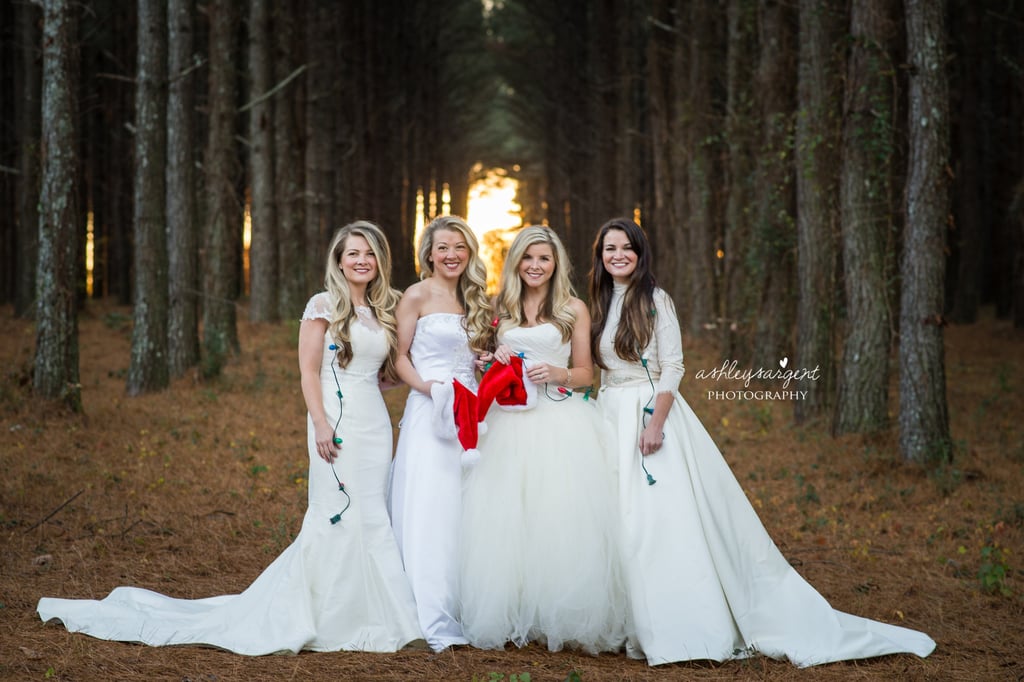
{"x":337,"y":587}
{"x":705,"y":580}
{"x":425,"y":499}
{"x":539,"y":525}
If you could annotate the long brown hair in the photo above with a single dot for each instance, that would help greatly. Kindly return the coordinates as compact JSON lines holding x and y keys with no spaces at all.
{"x":636,"y":324}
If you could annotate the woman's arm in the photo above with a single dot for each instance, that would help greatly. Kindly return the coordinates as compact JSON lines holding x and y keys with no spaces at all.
{"x":407,"y":314}
{"x":581,"y":371}
{"x":311,"y":352}
{"x":669,"y":361}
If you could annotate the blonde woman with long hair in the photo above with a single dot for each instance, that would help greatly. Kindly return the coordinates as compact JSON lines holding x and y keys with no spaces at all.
{"x":340,"y":585}
{"x":539,"y":557}
{"x":443,"y":322}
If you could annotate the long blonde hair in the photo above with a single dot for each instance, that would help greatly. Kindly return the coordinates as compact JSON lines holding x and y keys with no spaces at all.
{"x":381,"y":298}
{"x":472,"y":289}
{"x":555,"y":308}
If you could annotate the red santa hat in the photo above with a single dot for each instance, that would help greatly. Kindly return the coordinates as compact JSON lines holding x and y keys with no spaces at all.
{"x":460,"y":413}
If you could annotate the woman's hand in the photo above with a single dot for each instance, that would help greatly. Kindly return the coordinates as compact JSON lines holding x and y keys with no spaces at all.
{"x":503,"y":354}
{"x":542,"y":373}
{"x":424,"y":388}
{"x":325,"y":445}
{"x":482,"y":360}
{"x":651,"y":439}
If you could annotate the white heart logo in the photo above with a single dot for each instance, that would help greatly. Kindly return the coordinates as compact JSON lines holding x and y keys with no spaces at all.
{"x":783,"y":362}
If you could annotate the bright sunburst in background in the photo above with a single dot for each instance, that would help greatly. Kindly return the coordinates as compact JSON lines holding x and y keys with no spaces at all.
{"x":492,"y":213}
{"x":495,"y":216}
{"x":492,"y":203}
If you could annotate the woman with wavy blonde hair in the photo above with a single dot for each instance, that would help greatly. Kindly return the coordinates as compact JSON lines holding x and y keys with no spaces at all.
{"x":443,"y":321}
{"x":379,"y":297}
{"x":555,"y":306}
{"x":340,"y":585}
{"x":539,"y":558}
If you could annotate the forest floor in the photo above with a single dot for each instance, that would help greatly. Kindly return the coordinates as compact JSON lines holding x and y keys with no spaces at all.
{"x":194,"y":490}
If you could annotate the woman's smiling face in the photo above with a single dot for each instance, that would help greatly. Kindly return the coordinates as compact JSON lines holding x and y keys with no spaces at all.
{"x":537,"y":265}
{"x":618,"y":256}
{"x":358,"y":261}
{"x":449,"y":253}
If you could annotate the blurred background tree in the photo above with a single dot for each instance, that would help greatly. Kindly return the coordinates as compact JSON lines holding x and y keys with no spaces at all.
{"x":766,"y":147}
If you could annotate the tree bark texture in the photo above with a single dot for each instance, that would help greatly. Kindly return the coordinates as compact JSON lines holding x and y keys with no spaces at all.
{"x":703,"y":177}
{"x":772,"y":260}
{"x":288,"y":163}
{"x":738,"y":291}
{"x":56,"y":371}
{"x":149,"y":369}
{"x":182,"y":209}
{"x":319,"y":124}
{"x":223,"y":223}
{"x":662,"y":221}
{"x":868,"y":150}
{"x":817,"y":181}
{"x":263,"y":254}
{"x":970,"y":233}
{"x":27,"y":107}
{"x":924,"y":415}
{"x":675,"y":235}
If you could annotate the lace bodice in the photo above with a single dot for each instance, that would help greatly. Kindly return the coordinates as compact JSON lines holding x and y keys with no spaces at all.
{"x":542,"y":343}
{"x":369,"y":343}
{"x":440,"y":349}
{"x":664,"y":353}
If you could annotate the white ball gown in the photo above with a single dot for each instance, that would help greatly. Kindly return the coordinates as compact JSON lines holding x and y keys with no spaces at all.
{"x":539,"y":553}
{"x":425,"y":498}
{"x":337,"y":586}
{"x":705,"y":579}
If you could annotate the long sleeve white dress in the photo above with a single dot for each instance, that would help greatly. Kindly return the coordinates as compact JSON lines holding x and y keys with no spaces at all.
{"x":705,"y":580}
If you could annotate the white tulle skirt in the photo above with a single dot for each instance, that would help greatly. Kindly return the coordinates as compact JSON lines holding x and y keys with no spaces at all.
{"x":540,"y":558}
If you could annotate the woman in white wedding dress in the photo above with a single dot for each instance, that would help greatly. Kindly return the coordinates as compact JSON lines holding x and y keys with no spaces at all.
{"x":705,"y":579}
{"x":442,"y":322}
{"x":340,"y":584}
{"x":539,"y":555}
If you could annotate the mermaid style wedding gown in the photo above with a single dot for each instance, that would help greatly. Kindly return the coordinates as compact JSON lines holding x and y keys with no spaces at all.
{"x":425,"y":499}
{"x":339,"y":586}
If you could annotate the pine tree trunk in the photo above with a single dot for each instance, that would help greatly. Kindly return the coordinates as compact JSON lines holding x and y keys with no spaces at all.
{"x":224,"y":212}
{"x":738,"y":300}
{"x":971,"y":236}
{"x":28,"y":122}
{"x":288,"y":163}
{"x":676,"y":281}
{"x":660,"y":224}
{"x":702,"y":172}
{"x":868,"y":150}
{"x":56,"y":371}
{"x":774,"y":244}
{"x":263,"y":275}
{"x":149,"y":369}
{"x":817,"y":180}
{"x":319,"y":138}
{"x":182,"y":212}
{"x":924,"y":416}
